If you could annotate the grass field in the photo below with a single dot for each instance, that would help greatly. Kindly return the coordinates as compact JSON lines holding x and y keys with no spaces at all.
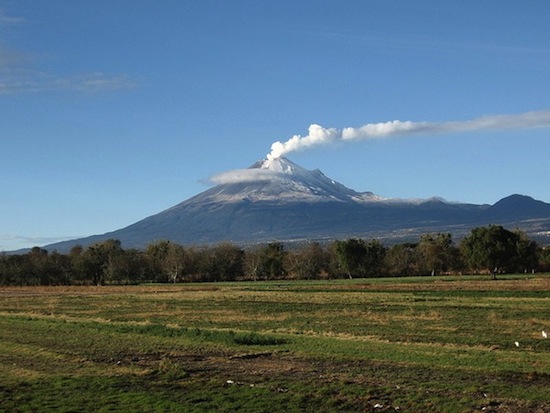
{"x":435,"y":344}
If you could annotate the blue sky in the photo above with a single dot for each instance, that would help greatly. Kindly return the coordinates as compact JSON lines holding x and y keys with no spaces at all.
{"x":111,"y":111}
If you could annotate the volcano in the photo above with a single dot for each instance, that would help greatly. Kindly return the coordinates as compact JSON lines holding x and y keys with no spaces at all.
{"x":278,"y":200}
{"x":280,"y":181}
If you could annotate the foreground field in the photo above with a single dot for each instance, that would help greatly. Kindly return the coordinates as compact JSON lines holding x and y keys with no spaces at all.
{"x":411,"y":345}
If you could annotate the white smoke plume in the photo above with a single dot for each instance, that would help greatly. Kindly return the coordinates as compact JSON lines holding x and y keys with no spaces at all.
{"x":318,"y":135}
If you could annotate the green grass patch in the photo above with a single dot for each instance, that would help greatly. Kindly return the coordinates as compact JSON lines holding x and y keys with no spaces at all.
{"x":434,"y":344}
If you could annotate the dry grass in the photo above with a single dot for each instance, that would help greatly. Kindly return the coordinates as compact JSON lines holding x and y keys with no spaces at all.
{"x":434,"y":344}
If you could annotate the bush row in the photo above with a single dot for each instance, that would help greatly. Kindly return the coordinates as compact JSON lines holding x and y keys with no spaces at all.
{"x":492,"y":249}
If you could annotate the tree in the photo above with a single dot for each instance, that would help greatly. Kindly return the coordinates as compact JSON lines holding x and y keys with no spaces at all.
{"x":174,"y":262}
{"x":358,"y":258}
{"x":38,"y":263}
{"x":496,"y":249}
{"x":374,"y":259}
{"x":527,"y":253}
{"x":402,"y":260}
{"x":308,"y":261}
{"x":168,"y":261}
{"x":543,"y":257}
{"x":252,"y":262}
{"x":223,"y":262}
{"x":271,"y":263}
{"x":76,"y":258}
{"x":98,"y":263}
{"x":155,"y":254}
{"x":350,"y":255}
{"x":58,"y":269}
{"x":131,"y":267}
{"x":15,"y":270}
{"x":436,"y":252}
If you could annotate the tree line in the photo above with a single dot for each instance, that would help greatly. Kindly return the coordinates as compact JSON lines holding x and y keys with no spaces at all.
{"x":491,"y":250}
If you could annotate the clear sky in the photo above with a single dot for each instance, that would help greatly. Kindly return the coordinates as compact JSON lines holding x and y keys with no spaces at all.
{"x":113,"y":110}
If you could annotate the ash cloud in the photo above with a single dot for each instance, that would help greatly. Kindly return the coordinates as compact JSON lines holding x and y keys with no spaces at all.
{"x":319,"y":135}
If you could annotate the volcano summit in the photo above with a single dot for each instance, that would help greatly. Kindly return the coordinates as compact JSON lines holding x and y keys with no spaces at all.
{"x":282,"y":181}
{"x":275,"y":199}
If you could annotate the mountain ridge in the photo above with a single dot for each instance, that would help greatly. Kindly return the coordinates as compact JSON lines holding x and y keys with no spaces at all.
{"x":278,"y":200}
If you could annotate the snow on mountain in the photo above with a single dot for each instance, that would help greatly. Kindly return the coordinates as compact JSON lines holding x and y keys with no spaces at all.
{"x":279,"y":180}
{"x":276,"y":199}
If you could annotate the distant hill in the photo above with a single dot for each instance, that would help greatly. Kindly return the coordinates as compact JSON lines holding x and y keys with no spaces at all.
{"x":518,"y":207}
{"x":279,"y":200}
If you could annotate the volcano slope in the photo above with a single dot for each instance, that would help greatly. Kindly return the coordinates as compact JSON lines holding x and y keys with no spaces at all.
{"x":277,"y":200}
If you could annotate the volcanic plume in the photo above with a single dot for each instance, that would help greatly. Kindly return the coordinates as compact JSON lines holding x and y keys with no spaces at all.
{"x":319,"y":135}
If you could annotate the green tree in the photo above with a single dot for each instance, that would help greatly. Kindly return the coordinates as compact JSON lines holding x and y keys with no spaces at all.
{"x":272,"y":258}
{"x":436,"y":253}
{"x":350,"y":255}
{"x":76,"y":258}
{"x":131,"y":267}
{"x":496,"y":249}
{"x":543,"y":258}
{"x":527,"y":253}
{"x":403,"y":260}
{"x":222,"y":262}
{"x":58,"y":269}
{"x":16,"y":269}
{"x":358,"y":258}
{"x":99,"y":262}
{"x":374,"y":259}
{"x":38,"y":266}
{"x":154,"y":254}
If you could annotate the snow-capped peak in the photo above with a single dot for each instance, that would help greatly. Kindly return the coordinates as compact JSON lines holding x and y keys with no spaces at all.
{"x":279,"y":165}
{"x":281,"y":180}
